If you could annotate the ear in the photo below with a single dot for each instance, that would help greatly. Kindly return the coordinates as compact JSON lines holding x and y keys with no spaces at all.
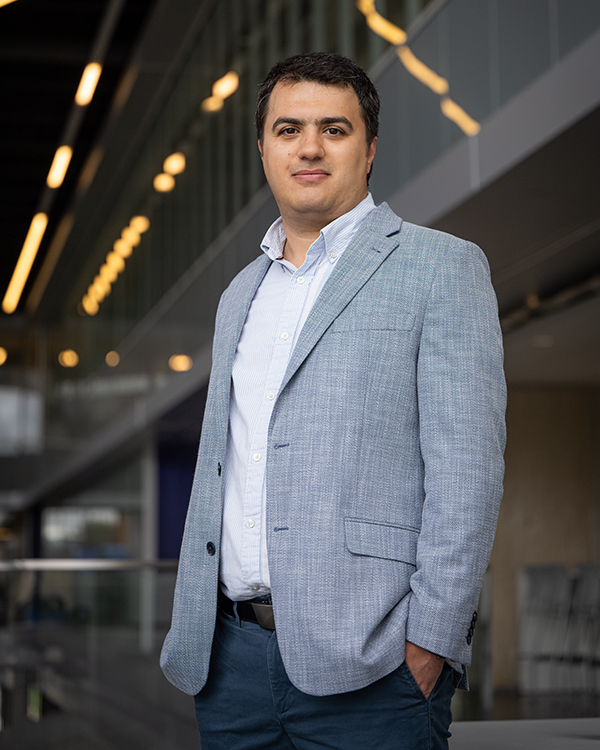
{"x":371,"y":152}
{"x":260,"y":149}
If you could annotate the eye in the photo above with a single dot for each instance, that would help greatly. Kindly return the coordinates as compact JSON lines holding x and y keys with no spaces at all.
{"x":289,"y":130}
{"x":332,"y":130}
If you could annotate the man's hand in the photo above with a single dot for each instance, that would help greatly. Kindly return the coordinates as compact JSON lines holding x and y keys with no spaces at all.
{"x":425,"y":667}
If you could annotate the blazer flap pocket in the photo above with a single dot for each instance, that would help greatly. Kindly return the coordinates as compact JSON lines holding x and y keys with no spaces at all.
{"x":381,"y":540}
{"x":376,"y":320}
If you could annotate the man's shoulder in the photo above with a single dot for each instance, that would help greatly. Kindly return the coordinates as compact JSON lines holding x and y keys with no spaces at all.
{"x":249,"y":273}
{"x":437,"y":246}
{"x":384,"y":219}
{"x":437,"y":239}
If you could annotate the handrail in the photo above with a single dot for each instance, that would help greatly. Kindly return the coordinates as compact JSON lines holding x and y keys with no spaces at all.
{"x":91,"y":564}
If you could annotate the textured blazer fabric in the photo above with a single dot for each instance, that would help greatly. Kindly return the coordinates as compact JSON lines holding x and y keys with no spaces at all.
{"x":384,"y":467}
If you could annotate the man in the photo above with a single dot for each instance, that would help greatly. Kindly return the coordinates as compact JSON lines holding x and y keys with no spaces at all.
{"x":350,"y":465}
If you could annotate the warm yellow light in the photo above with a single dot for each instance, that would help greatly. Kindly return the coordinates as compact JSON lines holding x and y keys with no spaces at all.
{"x":68,"y":358}
{"x":180,"y":363}
{"x":416,"y":68}
{"x":226,"y":85}
{"x":88,"y":83}
{"x":115,"y":261}
{"x":59,"y":166}
{"x":140,"y":223}
{"x":421,"y":72}
{"x":175,"y":163}
{"x":6,"y":2}
{"x":212,"y":104}
{"x":108,"y":273}
{"x":386,"y":29}
{"x":3,"y":355}
{"x":131,"y":236}
{"x":26,"y":258}
{"x":164,"y":183}
{"x":380,"y":25}
{"x":90,"y":305}
{"x":122,"y":248}
{"x":101,"y":288}
{"x":112,"y":359}
{"x":457,"y":114}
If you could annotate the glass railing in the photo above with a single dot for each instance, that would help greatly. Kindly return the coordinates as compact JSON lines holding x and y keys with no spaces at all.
{"x":473,"y":55}
{"x":79,"y":647}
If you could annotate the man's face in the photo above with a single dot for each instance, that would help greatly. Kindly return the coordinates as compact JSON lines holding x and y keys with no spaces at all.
{"x":314,"y":152}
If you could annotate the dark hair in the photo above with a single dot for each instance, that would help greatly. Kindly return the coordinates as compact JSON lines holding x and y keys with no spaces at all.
{"x":327,"y":68}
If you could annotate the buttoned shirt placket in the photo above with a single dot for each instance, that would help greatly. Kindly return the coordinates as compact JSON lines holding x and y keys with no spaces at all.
{"x":299,"y":286}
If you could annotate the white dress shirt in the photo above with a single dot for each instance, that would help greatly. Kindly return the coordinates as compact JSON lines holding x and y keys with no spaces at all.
{"x":278,"y":311}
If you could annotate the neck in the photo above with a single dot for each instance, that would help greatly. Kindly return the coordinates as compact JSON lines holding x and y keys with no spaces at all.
{"x":298,"y":240}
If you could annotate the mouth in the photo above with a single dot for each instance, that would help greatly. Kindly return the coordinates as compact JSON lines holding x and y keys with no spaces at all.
{"x":310,"y":175}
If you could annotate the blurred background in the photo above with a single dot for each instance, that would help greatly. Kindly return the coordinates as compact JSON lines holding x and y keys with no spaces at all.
{"x":132,"y":193}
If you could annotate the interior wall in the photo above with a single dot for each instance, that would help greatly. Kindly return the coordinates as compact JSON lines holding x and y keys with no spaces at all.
{"x":550,"y":513}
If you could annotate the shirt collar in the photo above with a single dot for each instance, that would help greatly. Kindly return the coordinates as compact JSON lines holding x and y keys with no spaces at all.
{"x":333,"y":239}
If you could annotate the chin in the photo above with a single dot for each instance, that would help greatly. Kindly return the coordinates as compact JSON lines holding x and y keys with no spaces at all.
{"x":315,"y":204}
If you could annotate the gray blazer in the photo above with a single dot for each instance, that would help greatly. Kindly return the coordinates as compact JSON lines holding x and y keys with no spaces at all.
{"x":384,"y":469}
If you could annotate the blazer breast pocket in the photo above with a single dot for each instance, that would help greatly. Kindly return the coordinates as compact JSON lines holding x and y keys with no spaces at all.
{"x":379,"y":320}
{"x":383,"y":540}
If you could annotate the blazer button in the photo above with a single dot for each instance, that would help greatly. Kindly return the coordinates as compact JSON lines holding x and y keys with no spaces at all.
{"x":210,"y":548}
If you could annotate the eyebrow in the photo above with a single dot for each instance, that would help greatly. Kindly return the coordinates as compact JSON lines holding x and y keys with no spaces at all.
{"x":323,"y":121}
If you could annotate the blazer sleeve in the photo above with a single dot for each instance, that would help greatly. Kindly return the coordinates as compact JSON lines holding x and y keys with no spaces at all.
{"x":461,"y":401}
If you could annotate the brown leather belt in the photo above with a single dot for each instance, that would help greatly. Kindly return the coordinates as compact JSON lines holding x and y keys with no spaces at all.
{"x":258,"y":610}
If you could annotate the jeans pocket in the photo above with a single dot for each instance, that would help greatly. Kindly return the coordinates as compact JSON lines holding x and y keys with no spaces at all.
{"x":442,"y":677}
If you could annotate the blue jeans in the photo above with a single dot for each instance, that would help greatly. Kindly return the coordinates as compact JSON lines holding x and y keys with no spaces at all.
{"x":249,"y":703}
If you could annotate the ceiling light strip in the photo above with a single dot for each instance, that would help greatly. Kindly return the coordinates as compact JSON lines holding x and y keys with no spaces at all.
{"x":62,"y":157}
{"x":87,"y":84}
{"x":60,"y":164}
{"x":61,"y":235}
{"x":417,"y":68}
{"x":27,"y":256}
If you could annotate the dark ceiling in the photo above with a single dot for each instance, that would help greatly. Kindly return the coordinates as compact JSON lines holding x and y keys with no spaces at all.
{"x":44,"y":48}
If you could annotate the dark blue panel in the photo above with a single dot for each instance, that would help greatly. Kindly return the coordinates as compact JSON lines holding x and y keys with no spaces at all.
{"x":176,"y":472}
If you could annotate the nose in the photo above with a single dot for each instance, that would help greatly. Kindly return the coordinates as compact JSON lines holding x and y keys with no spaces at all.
{"x":311,"y":145}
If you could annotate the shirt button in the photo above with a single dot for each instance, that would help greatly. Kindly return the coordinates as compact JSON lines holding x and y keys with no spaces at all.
{"x":270,"y":396}
{"x":255,"y":587}
{"x":250,"y":523}
{"x":285,"y":336}
{"x":256,"y":456}
{"x":300,"y":279}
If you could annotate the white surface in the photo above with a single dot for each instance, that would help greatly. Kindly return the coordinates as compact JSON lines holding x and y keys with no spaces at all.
{"x":546,"y":734}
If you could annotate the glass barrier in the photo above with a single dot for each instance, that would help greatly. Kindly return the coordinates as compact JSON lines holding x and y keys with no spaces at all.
{"x":79,"y":647}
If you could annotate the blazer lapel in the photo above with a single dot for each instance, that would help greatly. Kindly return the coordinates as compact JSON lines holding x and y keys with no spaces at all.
{"x":232,"y":319}
{"x":374,"y":241}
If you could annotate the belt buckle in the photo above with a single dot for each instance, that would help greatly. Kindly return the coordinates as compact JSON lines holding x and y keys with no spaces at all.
{"x":264,"y":615}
